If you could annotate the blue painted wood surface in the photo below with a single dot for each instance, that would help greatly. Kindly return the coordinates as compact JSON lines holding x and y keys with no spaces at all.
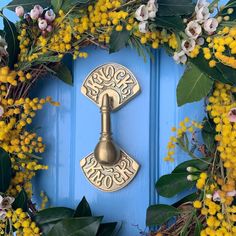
{"x":142,"y":128}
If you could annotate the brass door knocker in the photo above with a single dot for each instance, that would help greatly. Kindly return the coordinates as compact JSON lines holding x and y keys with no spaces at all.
{"x":109,"y":168}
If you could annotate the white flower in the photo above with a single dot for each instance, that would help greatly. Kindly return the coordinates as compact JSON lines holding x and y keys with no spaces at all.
{"x":34,"y":14}
{"x":39,"y":8}
{"x":1,"y":111}
{"x":152,"y":8}
{"x":42,"y":24}
{"x":19,"y":11}
{"x":188,"y":45}
{"x":3,"y":215}
{"x":200,"y":41}
{"x":50,"y":15}
{"x":180,"y":57}
{"x":143,"y":26}
{"x":193,"y":29}
{"x":202,"y":14}
{"x":210,"y":25}
{"x":141,"y":13}
{"x":209,"y":196}
{"x":5,"y":203}
{"x":200,"y":4}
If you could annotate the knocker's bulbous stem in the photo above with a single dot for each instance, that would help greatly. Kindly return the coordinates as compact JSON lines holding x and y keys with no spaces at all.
{"x":106,"y":151}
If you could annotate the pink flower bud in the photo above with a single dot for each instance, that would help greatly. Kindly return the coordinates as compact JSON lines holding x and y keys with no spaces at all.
{"x":42,"y":24}
{"x":232,"y":115}
{"x":39,"y":8}
{"x":34,"y":14}
{"x":50,"y":15}
{"x":1,"y":111}
{"x":19,"y":11}
{"x":49,"y":28}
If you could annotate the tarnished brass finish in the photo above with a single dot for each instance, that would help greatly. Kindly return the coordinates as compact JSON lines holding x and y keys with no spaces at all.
{"x":109,"y":168}
{"x":109,"y":178}
{"x":106,"y":151}
{"x":112,"y":79}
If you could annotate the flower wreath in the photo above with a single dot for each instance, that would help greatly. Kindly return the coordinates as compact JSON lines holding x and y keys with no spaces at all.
{"x":200,"y":34}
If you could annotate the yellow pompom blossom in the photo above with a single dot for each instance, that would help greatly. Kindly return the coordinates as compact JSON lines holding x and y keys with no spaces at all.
{"x":222,"y":47}
{"x":94,"y":26}
{"x":22,"y":223}
{"x":218,"y":187}
{"x":185,"y":126}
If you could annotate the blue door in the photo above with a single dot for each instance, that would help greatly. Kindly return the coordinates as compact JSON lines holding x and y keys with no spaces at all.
{"x":142,"y":128}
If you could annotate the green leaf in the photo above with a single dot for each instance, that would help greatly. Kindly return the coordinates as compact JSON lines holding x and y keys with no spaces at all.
{"x":56,"y":5}
{"x":107,"y":229}
{"x":193,"y":86}
{"x":47,"y":218}
{"x":83,"y":209}
{"x":12,"y":42}
{"x":200,"y":164}
{"x":63,"y":73}
{"x":5,"y":171}
{"x":198,"y":227}
{"x":69,"y":4}
{"x":118,"y":40}
{"x":228,"y":73}
{"x":214,"y":73}
{"x":175,"y":7}
{"x":189,"y":198}
{"x":21,"y":201}
{"x":170,"y":22}
{"x":27,"y":4}
{"x":160,"y":214}
{"x":208,"y":134}
{"x":172,"y":184}
{"x":84,"y":226}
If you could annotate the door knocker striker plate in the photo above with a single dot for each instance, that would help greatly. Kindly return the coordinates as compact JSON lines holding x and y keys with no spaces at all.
{"x":115,"y":80}
{"x":109,"y":178}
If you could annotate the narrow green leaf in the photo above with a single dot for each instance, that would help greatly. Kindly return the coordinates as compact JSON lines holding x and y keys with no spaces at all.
{"x":198,"y":227}
{"x":201,"y":164}
{"x":208,"y":134}
{"x":27,"y":4}
{"x":63,"y":73}
{"x":84,"y":226}
{"x":107,"y":229}
{"x":12,"y":41}
{"x":5,"y":171}
{"x":159,"y":214}
{"x":21,"y":201}
{"x":83,"y":209}
{"x":47,"y":218}
{"x":172,"y":184}
{"x":170,"y":22}
{"x":175,"y":7}
{"x":56,"y":4}
{"x":118,"y":40}
{"x":193,"y":86}
{"x":189,"y":198}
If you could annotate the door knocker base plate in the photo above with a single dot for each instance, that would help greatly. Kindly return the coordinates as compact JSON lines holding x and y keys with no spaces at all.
{"x":113,"y":79}
{"x":109,"y":178}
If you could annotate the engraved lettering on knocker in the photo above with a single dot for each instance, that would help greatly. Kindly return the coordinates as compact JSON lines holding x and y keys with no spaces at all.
{"x":109,"y":168}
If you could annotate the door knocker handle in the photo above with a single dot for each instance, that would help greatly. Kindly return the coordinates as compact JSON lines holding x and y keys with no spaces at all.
{"x":106,"y":152}
{"x":110,"y":86}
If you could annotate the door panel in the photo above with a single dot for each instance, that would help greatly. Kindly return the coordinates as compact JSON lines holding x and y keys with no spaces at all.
{"x":72,"y":132}
{"x":141,"y":128}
